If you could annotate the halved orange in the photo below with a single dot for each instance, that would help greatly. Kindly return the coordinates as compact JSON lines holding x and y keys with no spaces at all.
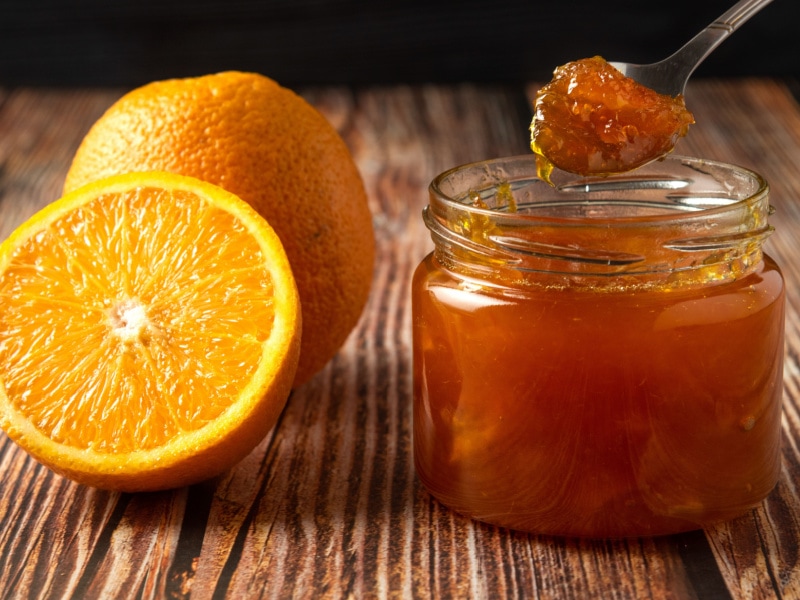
{"x":149,"y":332}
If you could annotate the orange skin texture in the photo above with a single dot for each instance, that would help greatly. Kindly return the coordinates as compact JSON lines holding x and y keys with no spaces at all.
{"x":264,"y":143}
{"x":592,"y":120}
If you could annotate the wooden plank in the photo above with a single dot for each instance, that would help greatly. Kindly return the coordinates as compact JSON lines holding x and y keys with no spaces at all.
{"x":39,"y":132}
{"x":328,"y":504}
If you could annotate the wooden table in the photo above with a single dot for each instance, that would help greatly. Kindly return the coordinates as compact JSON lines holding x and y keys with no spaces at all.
{"x":328,"y":505}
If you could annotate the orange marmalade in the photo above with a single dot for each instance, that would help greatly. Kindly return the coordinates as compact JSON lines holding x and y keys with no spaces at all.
{"x":600,"y":358}
{"x":593,"y":120}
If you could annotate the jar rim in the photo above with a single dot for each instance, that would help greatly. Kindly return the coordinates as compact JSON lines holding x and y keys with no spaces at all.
{"x":678,"y":214}
{"x":581,"y":190}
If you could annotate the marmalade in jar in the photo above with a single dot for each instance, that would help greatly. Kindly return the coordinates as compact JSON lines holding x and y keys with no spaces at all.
{"x":581,"y":388}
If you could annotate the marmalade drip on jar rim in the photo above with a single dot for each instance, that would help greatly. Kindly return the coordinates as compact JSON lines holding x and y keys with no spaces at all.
{"x":600,"y":358}
{"x":590,"y":119}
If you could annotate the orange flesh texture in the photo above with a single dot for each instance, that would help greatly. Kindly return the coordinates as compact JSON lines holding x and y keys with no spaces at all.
{"x":592,"y":120}
{"x":115,"y":341}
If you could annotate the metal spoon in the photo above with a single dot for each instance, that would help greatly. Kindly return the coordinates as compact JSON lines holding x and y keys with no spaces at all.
{"x":669,"y":76}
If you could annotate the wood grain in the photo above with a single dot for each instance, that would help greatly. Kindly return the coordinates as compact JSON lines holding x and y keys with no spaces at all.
{"x":328,"y":505}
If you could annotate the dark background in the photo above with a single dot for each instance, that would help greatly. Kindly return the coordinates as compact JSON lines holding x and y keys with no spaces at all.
{"x":298,"y":42}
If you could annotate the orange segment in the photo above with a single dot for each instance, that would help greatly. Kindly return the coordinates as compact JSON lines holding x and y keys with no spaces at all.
{"x":149,"y":332}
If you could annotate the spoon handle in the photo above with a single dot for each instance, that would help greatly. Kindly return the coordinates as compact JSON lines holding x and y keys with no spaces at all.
{"x":737,"y":14}
{"x":688,"y":57}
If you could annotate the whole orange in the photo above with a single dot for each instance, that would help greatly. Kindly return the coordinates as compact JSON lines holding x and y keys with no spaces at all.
{"x":266,"y":144}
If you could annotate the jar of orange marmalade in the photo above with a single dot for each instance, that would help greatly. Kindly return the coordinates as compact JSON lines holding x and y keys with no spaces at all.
{"x":600,"y":358}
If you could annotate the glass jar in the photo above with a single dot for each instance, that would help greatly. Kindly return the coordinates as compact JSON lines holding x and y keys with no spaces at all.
{"x":600,"y":358}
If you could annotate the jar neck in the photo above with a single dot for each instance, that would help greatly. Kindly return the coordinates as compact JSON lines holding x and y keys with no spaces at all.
{"x":674,"y":225}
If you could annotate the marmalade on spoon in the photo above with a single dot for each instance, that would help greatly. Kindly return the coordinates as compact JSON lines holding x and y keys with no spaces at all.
{"x":593,"y":120}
